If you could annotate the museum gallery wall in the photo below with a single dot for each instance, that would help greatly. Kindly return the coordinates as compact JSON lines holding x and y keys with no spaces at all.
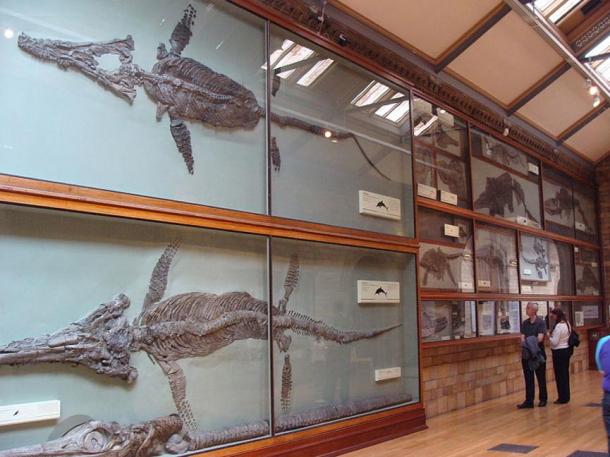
{"x":218,"y":214}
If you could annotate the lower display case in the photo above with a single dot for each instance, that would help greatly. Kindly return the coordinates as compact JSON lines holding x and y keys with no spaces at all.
{"x":184,"y":320}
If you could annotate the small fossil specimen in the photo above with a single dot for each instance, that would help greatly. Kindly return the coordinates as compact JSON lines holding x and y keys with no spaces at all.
{"x":182,"y":87}
{"x":540,"y":262}
{"x":559,"y":204}
{"x":432,"y":324}
{"x":502,"y":192}
{"x":588,"y":280}
{"x":435,"y":262}
{"x":451,"y":172}
{"x":496,"y":259}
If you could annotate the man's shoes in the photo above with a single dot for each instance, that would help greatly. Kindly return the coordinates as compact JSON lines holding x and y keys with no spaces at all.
{"x":542,"y":403}
{"x":560,"y":402}
{"x":525,"y":405}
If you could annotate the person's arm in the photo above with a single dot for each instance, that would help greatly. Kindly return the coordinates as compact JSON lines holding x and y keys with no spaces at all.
{"x":555,"y":335}
{"x":541,"y":330}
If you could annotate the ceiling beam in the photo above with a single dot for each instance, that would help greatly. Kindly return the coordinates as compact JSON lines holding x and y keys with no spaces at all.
{"x":545,"y":82}
{"x":582,"y":122}
{"x":592,"y":30}
{"x":595,"y":58}
{"x":458,"y":48}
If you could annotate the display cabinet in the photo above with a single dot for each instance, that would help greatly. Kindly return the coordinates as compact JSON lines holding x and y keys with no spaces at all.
{"x":543,"y":310}
{"x":565,"y":306}
{"x":343,"y":128}
{"x":444,"y":320}
{"x":440,"y":142}
{"x":587,"y":271}
{"x":558,"y":202}
{"x":446,"y":254}
{"x":511,"y":191}
{"x":496,"y":259}
{"x":587,"y":313}
{"x":546,"y":266}
{"x":498,"y":317}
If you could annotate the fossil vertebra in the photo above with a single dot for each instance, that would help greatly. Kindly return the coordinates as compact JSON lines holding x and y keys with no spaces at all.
{"x":435,"y":262}
{"x":193,"y":324}
{"x":502,"y":192}
{"x":182,"y":87}
{"x":109,"y":439}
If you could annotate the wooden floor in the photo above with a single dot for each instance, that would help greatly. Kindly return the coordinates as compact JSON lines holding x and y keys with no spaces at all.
{"x":558,"y":430}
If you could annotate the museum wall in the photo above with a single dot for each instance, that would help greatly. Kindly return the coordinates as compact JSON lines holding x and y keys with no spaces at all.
{"x":458,"y":376}
{"x":602,"y":177}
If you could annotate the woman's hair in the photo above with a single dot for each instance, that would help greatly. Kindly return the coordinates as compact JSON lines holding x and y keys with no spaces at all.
{"x":560,"y":316}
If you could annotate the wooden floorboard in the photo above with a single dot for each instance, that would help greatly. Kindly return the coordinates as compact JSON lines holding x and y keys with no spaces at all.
{"x":557,"y":430}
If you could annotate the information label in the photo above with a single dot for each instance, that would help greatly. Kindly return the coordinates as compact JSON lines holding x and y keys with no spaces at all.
{"x":379,"y":205}
{"x":378,"y":291}
{"x":448,"y":197}
{"x":580,"y":226}
{"x":383,"y":374}
{"x":426,"y":191}
{"x":484,"y":283}
{"x":533,"y":168}
{"x":526,"y":289}
{"x":452,"y":230}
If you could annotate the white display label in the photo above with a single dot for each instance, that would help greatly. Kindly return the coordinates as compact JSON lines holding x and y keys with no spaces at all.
{"x":576,"y":249}
{"x":379,"y":205}
{"x":452,"y":231}
{"x":580,"y":226}
{"x":594,"y":264}
{"x":484,"y":283}
{"x":378,"y":291}
{"x":533,"y":168}
{"x":522,"y":220}
{"x":590,"y":311}
{"x":426,"y":191}
{"x":445,"y":338}
{"x":29,"y":412}
{"x":448,"y":197}
{"x":467,"y":257}
{"x":526,"y":289}
{"x":513,"y":263}
{"x":465,"y":285}
{"x":384,"y":374}
{"x":579,"y":318}
{"x":527,"y":271}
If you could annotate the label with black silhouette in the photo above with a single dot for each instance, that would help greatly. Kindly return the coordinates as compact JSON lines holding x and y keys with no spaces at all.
{"x":378,"y":291}
{"x":379,"y":205}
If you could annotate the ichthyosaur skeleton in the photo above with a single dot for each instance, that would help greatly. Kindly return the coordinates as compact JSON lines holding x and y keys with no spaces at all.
{"x":187,"y":325}
{"x":182,"y":87}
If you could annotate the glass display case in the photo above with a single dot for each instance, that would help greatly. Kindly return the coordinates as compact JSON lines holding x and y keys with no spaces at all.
{"x":206,"y":143}
{"x":546,"y":266}
{"x":587,"y":313}
{"x":440,"y":142}
{"x":498,"y":317}
{"x":565,"y":306}
{"x":558,"y":198}
{"x":491,"y":149}
{"x":587,"y":271}
{"x":585,"y":214}
{"x":363,"y":301}
{"x":446,"y":254}
{"x":340,"y":141}
{"x":508,"y":192}
{"x":448,"y":320}
{"x":496,"y":259}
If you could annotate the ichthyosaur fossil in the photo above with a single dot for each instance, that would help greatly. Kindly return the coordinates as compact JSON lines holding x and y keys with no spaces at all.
{"x":502,"y":192}
{"x":435,"y":262}
{"x":182,"y":87}
{"x":499,"y":153}
{"x":187,"y":325}
{"x":451,"y":173}
{"x":540,"y":262}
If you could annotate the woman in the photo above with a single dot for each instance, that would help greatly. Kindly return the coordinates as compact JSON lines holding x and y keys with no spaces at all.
{"x":559,"y":336}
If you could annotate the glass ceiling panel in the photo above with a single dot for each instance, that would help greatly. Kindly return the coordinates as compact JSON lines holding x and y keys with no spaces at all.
{"x":602,"y":66}
{"x":555,"y":10}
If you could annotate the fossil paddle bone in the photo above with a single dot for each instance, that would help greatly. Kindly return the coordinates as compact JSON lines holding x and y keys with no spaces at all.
{"x":182,"y":87}
{"x":187,"y":325}
{"x":499,"y":193}
{"x":435,"y":262}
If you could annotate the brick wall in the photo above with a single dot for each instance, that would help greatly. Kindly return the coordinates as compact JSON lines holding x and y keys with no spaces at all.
{"x":602,"y":174}
{"x":457,"y":376}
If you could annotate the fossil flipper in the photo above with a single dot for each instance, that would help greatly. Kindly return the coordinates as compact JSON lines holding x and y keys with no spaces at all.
{"x":276,"y":159}
{"x":177,"y":385}
{"x":182,"y":33}
{"x":291,"y":281}
{"x":182,"y":137}
{"x":158,"y":278}
{"x":286,"y":394}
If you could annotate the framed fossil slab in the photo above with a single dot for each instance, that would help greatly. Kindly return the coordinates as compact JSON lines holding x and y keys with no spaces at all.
{"x":314,"y":377}
{"x":486,"y":318}
{"x":489,"y":148}
{"x":587,"y":313}
{"x":558,"y":202}
{"x":354,"y":138}
{"x":546,"y":266}
{"x":508,"y":319}
{"x":585,"y":214}
{"x":440,"y":145}
{"x":587,"y":271}
{"x":448,"y":320}
{"x":156,"y":101}
{"x":496,"y":259}
{"x":565,"y":306}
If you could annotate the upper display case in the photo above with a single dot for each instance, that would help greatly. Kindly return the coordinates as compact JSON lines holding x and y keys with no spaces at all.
{"x":340,"y":144}
{"x":585,"y":214}
{"x":546,"y":266}
{"x":446,"y":254}
{"x":508,"y":188}
{"x":587,"y":271}
{"x":558,"y":202}
{"x":496,"y":259}
{"x":156,"y":100}
{"x":440,"y":145}
{"x":448,"y":320}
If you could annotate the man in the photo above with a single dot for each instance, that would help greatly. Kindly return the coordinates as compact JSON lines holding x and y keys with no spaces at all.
{"x":602,"y":358}
{"x":534,"y":326}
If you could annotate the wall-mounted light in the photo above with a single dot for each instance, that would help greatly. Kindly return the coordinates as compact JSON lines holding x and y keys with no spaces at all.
{"x":506,"y":130}
{"x":597,"y":101}
{"x":327,"y":133}
{"x":594,"y":90}
{"x":9,"y":33}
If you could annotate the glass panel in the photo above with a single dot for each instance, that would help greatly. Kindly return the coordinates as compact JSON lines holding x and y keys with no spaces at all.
{"x":508,"y":319}
{"x":543,"y":310}
{"x":446,"y":261}
{"x":587,"y":313}
{"x":566,"y":306}
{"x":486,"y":321}
{"x":448,"y":320}
{"x":586,"y":219}
{"x":558,"y":202}
{"x":341,"y":148}
{"x":496,"y":260}
{"x":587,"y":271}
{"x":208,"y":146}
{"x":546,"y":266}
{"x":489,"y":148}
{"x":440,"y":144}
{"x":361,"y":298}
{"x":63,"y":265}
{"x":506,"y":195}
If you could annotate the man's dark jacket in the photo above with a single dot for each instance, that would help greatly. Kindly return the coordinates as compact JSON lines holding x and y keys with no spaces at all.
{"x":531,"y":353}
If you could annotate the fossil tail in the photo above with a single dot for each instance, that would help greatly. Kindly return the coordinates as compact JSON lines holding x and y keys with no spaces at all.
{"x":291,"y":281}
{"x":286,"y":393}
{"x":82,"y":57}
{"x":289,"y":121}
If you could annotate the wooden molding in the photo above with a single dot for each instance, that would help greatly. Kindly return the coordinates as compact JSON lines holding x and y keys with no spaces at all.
{"x":471,"y":341}
{"x":335,"y":438}
{"x":583,"y":121}
{"x":491,"y":296}
{"x":299,"y":18}
{"x":587,"y":34}
{"x":31,"y":192}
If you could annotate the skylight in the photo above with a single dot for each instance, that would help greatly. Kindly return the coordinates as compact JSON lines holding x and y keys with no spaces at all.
{"x":602,"y":66}
{"x":379,"y":98}
{"x":289,"y":55}
{"x":315,"y":72}
{"x":555,"y":10}
{"x":373,"y":92}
